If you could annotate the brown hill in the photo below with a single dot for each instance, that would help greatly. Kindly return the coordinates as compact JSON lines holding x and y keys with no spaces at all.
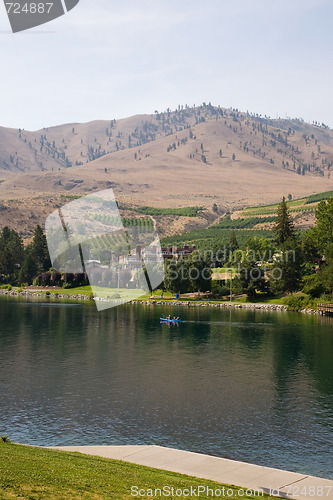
{"x":198,"y":156}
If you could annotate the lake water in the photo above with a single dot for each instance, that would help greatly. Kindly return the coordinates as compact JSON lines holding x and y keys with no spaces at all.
{"x":245,"y":385}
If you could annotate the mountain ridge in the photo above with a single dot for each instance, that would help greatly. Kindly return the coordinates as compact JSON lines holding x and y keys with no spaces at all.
{"x":193,"y":156}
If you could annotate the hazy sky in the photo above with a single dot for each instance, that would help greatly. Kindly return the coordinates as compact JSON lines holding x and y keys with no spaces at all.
{"x":110,"y":59}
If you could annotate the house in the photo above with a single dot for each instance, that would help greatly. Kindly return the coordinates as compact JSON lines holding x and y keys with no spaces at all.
{"x":176,"y":253}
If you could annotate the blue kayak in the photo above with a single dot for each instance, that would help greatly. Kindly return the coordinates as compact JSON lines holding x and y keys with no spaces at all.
{"x":167,"y":320}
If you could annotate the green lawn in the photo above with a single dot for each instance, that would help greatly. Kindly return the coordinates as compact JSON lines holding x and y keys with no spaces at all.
{"x":127,"y":293}
{"x":35,"y":473}
{"x":82,"y":290}
{"x":262,"y":299}
{"x":170,"y":297}
{"x":104,"y":292}
{"x":225,"y":270}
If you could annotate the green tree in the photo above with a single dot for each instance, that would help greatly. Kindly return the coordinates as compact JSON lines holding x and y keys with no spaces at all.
{"x":310,"y":245}
{"x":176,"y":276}
{"x":233,"y":243}
{"x":312,"y":285}
{"x":326,"y":273}
{"x":251,"y":278}
{"x":39,"y":251}
{"x":190,"y":274}
{"x":199,"y":273}
{"x":322,"y":235}
{"x":28,"y":270}
{"x":284,"y":226}
{"x":286,"y":274}
{"x":11,"y":253}
{"x":262,"y":249}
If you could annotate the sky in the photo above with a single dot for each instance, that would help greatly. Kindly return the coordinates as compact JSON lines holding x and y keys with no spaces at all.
{"x":110,"y":59}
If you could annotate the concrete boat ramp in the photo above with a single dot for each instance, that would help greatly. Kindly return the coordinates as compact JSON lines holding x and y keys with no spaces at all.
{"x":230,"y":472}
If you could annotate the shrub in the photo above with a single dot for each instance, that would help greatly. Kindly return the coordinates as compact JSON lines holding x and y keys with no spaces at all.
{"x":295,"y":302}
{"x":326,"y":298}
{"x":313,"y":286}
{"x":66,"y":286}
{"x":6,"y":287}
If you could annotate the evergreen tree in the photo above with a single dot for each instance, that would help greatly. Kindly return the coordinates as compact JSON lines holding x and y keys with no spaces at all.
{"x":11,"y":253}
{"x":39,"y":251}
{"x":323,"y":232}
{"x":286,"y":274}
{"x":284,"y":226}
{"x":28,"y":270}
{"x":251,"y":278}
{"x":176,"y":276}
{"x":199,"y":273}
{"x":326,"y":273}
{"x":190,"y":274}
{"x":310,"y":246}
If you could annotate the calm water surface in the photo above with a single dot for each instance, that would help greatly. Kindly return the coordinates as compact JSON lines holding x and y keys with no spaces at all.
{"x":245,"y":385}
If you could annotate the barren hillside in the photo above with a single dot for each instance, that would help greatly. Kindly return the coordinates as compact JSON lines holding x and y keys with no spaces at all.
{"x":192,"y":156}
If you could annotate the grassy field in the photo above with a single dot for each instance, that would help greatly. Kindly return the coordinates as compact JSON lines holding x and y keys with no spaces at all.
{"x":234,"y":270}
{"x":127,"y":293}
{"x":35,"y":473}
{"x":170,"y":297}
{"x":262,"y":299}
{"x":82,"y":290}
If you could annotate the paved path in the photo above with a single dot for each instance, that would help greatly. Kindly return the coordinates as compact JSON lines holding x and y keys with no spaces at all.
{"x":286,"y":484}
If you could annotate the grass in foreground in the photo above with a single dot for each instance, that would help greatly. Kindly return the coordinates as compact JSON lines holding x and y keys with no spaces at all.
{"x":34,"y":473}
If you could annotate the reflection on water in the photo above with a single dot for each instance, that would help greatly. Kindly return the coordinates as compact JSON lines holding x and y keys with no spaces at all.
{"x":246,"y":385}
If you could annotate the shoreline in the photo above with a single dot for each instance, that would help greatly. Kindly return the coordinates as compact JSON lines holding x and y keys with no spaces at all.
{"x":263,"y":479}
{"x":160,"y":302}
